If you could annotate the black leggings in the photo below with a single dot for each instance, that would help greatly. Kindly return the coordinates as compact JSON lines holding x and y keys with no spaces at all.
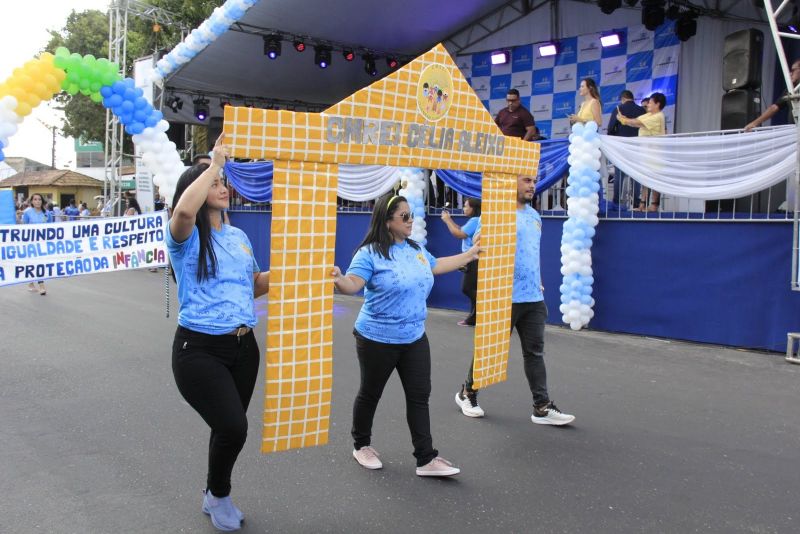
{"x":469,"y":286}
{"x":413,"y":363}
{"x":216,"y":375}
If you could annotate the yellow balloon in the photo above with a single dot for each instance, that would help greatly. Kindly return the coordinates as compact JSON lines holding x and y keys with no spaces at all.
{"x":23,"y":109}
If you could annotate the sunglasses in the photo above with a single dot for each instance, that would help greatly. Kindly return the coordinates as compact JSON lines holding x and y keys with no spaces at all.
{"x":406,"y":216}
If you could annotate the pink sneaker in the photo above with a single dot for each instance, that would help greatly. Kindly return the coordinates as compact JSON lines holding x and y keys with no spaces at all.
{"x":367,"y":457}
{"x":438,"y":467}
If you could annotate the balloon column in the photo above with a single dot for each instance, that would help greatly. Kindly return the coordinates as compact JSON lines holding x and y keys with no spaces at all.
{"x":208,"y":32}
{"x":413,"y":190}
{"x":578,"y":231}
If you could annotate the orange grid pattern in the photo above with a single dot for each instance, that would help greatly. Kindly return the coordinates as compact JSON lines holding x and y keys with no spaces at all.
{"x":272,"y":134}
{"x":495,"y":279}
{"x":299,"y":369}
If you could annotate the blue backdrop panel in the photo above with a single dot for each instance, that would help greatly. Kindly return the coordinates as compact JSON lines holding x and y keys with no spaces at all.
{"x":722,"y":283}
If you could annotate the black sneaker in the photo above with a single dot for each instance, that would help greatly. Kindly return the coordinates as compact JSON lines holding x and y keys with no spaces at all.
{"x":468,"y":402}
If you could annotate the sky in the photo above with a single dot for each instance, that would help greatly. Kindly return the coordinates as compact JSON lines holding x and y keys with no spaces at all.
{"x":23,"y":34}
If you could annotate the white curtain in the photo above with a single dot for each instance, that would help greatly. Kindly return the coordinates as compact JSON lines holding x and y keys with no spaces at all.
{"x":366,"y":182}
{"x":707,"y":167}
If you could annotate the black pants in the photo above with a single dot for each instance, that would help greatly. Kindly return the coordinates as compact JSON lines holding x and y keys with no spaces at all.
{"x":216,"y":375}
{"x":413,"y":363}
{"x":469,"y":286}
{"x":529,"y":319}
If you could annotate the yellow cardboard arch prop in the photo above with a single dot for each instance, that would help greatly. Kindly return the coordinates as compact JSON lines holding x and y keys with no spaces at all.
{"x":423,"y":115}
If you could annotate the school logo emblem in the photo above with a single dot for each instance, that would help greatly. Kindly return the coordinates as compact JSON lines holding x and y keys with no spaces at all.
{"x":434,"y":92}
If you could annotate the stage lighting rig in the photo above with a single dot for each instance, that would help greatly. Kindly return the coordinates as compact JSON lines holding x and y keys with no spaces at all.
{"x":653,"y":13}
{"x":272,"y":46}
{"x":322,"y":56}
{"x":369,"y":65}
{"x":201,"y":108}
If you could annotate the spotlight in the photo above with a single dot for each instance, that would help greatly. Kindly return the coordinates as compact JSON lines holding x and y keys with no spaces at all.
{"x":392,"y":62}
{"x":174,"y":103}
{"x":322,"y":56}
{"x":348,"y":54}
{"x":500,"y":57}
{"x":548,"y":49}
{"x":652,"y":13}
{"x":611,"y":39}
{"x":299,"y":45}
{"x":272,"y":46}
{"x":609,"y":6}
{"x":369,"y":65}
{"x":201,"y":109}
{"x":686,"y":26}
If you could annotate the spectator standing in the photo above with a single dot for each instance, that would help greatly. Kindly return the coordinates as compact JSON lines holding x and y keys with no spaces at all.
{"x":467,"y":233}
{"x":628,"y":107}
{"x":35,"y":214}
{"x":650,"y":124}
{"x":782,"y":103}
{"x":516,"y":121}
{"x":591,"y":109}
{"x":71,"y":211}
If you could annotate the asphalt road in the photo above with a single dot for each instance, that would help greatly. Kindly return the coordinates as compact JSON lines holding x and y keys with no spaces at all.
{"x":669,"y":436}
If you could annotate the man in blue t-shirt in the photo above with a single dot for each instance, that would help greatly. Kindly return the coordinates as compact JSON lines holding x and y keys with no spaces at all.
{"x":72,"y":211}
{"x":528,"y":315}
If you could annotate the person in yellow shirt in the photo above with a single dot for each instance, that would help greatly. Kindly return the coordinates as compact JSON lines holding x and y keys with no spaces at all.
{"x":591,"y":109}
{"x":651,"y":123}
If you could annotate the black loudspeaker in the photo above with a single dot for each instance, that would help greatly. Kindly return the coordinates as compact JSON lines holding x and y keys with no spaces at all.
{"x":739,"y":107}
{"x":176,"y":134}
{"x":741,"y":59}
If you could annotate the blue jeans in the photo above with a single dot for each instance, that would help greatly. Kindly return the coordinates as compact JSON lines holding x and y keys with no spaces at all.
{"x":529,"y":319}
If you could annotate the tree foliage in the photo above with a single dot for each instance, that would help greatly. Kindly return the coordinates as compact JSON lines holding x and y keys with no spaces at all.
{"x":86,"y":32}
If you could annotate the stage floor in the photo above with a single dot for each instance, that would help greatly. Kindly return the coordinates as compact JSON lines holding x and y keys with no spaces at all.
{"x":669,"y":436}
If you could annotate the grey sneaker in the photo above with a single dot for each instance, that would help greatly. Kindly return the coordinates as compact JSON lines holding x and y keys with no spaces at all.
{"x":438,"y":467}
{"x":549,"y":414}
{"x":367,"y":457}
{"x":468,"y":402}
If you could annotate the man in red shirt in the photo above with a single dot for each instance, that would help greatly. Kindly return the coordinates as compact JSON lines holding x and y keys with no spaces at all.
{"x":515,"y":120}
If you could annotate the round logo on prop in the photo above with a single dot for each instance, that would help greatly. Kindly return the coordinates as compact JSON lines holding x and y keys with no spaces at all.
{"x":434,"y":92}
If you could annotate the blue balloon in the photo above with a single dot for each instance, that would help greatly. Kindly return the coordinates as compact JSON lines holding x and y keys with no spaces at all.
{"x":126,"y":118}
{"x":127,"y":107}
{"x":157,"y":114}
{"x":107,"y":103}
{"x":129,"y":83}
{"x":129,"y":94}
{"x":140,"y":115}
{"x":140,"y":102}
{"x":119,"y":87}
{"x":117,"y":110}
{"x":235,"y":12}
{"x":136,"y":128}
{"x":106,"y":91}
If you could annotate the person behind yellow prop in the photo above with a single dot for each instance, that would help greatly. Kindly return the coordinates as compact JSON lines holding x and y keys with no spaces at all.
{"x":37,"y":80}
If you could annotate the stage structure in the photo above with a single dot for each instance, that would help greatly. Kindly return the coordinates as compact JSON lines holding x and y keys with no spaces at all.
{"x":423,"y":115}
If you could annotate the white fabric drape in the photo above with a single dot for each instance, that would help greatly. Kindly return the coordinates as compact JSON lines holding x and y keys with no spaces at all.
{"x":366,"y":182}
{"x":707,"y":167}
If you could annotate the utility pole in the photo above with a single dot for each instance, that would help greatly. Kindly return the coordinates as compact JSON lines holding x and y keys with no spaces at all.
{"x":53,"y":130}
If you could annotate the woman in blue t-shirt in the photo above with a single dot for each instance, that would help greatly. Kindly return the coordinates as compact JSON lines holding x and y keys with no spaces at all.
{"x":397,"y":274}
{"x":214,"y":354}
{"x":35,"y":213}
{"x":466,"y":233}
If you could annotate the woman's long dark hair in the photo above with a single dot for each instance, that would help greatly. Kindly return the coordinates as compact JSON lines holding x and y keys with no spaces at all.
{"x":475,"y":204}
{"x":206,"y":259}
{"x":379,"y":239}
{"x":133,"y":203}
{"x":591,"y":85}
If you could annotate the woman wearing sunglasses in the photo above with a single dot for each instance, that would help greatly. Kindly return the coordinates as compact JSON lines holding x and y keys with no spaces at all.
{"x":397,"y":274}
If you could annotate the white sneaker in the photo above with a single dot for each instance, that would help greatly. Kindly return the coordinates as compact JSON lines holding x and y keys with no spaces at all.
{"x":468,"y":402}
{"x":367,"y":457}
{"x":549,"y":414}
{"x":438,"y":467}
